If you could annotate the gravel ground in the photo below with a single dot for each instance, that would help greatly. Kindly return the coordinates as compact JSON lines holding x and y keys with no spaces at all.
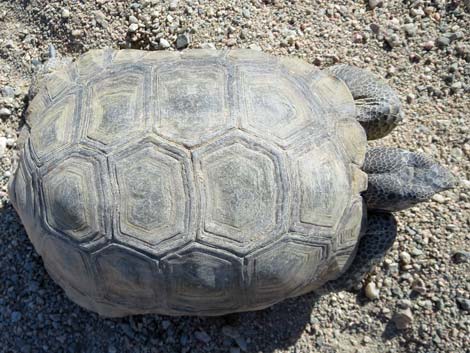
{"x":417,"y":301}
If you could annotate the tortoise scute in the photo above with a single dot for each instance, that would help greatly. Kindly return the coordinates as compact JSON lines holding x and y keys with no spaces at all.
{"x":192,"y":183}
{"x":241,"y":195}
{"x":116,"y":106}
{"x":191,"y":102}
{"x":128,"y":279}
{"x":154,"y":186}
{"x":282,"y":269}
{"x":203,"y":281}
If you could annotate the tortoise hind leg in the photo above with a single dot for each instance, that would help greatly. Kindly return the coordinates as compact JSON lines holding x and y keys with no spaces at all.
{"x":378,"y":107}
{"x":378,"y":239}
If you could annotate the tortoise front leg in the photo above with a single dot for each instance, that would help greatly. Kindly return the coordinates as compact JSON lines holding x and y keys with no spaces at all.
{"x":378,"y":239}
{"x":378,"y":107}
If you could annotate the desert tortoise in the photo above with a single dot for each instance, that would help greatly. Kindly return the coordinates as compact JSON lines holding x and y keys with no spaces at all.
{"x":206,"y":182}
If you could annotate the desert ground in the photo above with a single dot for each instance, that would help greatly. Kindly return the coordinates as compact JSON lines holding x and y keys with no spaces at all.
{"x":422,"y":298}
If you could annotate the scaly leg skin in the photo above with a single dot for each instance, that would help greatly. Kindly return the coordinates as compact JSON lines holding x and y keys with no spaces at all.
{"x":378,"y":106}
{"x":374,"y":244}
{"x":399,"y":179}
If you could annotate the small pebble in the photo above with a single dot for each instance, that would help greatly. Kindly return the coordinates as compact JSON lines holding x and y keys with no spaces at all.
{"x":182,"y":41}
{"x":374,"y":27}
{"x":410,"y":29}
{"x":15,"y":316}
{"x":428,"y":45}
{"x":164,"y":44}
{"x":419,"y":286}
{"x":460,"y":257}
{"x":410,"y":98}
{"x":463,"y":303}
{"x":403,"y":319}
{"x":7,"y":91}
{"x":5,"y":112}
{"x":202,"y":336}
{"x":357,"y":38}
{"x":173,"y":5}
{"x":417,"y":12}
{"x":443,"y":41}
{"x":374,"y":3}
{"x":405,"y":257}
{"x":133,"y":27}
{"x":439,"y":198}
{"x":65,"y":13}
{"x":208,"y":46}
{"x":404,"y":303}
{"x":371,"y":291}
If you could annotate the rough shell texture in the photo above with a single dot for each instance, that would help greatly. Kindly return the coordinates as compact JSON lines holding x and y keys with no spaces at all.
{"x":197,"y":183}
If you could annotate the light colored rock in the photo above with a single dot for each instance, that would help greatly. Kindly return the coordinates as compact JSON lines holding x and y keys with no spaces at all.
{"x":405,"y":257}
{"x":163,"y":43}
{"x":65,"y":13}
{"x":133,"y":27}
{"x":439,"y":198}
{"x":5,"y":112}
{"x":173,"y":5}
{"x":3,"y":146}
{"x":374,"y":3}
{"x":371,"y":290}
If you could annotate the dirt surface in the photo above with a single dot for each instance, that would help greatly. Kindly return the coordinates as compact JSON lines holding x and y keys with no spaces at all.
{"x":421,"y":47}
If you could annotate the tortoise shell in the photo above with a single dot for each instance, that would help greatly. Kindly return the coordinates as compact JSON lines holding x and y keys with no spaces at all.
{"x":200,"y":182}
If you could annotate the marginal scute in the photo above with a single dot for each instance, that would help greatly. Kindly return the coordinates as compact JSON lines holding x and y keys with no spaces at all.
{"x":353,"y":138}
{"x":201,"y":281}
{"x":127,"y":56}
{"x":192,"y":112}
{"x":358,"y":180}
{"x":204,"y":54}
{"x":68,"y":266}
{"x":20,"y":191}
{"x":54,"y":130}
{"x":283,"y":269}
{"x":240,"y":55}
{"x":58,"y":82}
{"x":352,"y":224}
{"x":297,"y":66}
{"x":37,"y":107}
{"x":322,"y":186}
{"x":72,"y":198}
{"x":127,"y":277}
{"x":333,"y":93}
{"x":93,"y":62}
{"x":156,"y":58}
